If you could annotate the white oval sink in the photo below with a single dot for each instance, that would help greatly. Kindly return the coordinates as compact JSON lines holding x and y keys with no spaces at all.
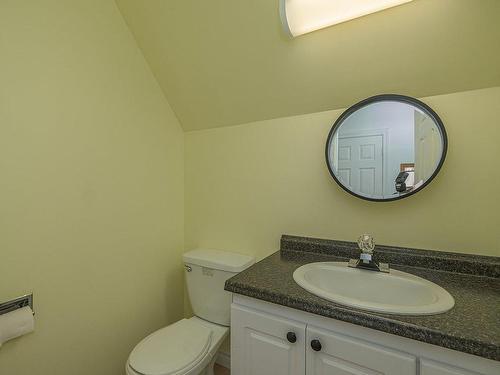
{"x":391,"y":293}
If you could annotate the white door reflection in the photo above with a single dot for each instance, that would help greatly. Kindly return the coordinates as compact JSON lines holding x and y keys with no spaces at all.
{"x":360,"y":162}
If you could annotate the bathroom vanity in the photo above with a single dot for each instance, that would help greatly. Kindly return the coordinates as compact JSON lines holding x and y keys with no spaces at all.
{"x":279,"y":328}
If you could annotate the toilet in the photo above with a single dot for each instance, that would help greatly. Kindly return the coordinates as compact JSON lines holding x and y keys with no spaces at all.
{"x":189,"y":346}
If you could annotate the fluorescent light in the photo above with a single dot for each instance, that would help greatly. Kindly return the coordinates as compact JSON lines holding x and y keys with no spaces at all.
{"x":303,"y":16}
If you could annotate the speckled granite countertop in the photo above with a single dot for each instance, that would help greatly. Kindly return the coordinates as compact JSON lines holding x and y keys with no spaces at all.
{"x":472,"y":326}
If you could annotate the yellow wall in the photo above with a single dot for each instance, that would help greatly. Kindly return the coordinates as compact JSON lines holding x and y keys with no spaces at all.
{"x":246,"y":185}
{"x":223,"y":62}
{"x":91,"y":188}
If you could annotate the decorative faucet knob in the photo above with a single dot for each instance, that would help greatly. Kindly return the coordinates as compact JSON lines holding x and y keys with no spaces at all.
{"x":366,"y":244}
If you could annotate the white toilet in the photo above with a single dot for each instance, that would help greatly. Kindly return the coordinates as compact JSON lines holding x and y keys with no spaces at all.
{"x":189,"y":346}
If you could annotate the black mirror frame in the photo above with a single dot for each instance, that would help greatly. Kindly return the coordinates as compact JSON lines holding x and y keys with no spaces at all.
{"x":393,"y":98}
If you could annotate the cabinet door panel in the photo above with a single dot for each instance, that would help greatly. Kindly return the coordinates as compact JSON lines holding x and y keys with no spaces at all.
{"x":344,"y":355}
{"x":259,"y":344}
{"x":428,"y":367}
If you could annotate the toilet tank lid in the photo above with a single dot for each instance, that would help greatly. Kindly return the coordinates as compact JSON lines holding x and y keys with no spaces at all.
{"x":218,"y":260}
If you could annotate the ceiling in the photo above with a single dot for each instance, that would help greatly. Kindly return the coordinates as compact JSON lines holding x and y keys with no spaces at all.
{"x":227,"y":62}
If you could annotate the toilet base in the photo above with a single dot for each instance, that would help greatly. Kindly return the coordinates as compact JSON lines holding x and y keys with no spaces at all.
{"x":209,"y":370}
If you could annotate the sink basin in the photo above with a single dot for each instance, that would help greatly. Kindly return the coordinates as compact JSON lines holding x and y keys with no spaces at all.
{"x":391,"y":293}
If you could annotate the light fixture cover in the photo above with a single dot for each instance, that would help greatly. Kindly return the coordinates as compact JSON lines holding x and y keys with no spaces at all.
{"x":303,"y":16}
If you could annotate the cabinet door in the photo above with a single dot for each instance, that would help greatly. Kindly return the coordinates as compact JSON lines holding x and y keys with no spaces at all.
{"x":428,"y":367}
{"x":260,"y":346}
{"x":330,"y":353}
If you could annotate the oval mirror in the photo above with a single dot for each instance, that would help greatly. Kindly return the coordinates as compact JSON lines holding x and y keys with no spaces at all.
{"x":386,"y":147}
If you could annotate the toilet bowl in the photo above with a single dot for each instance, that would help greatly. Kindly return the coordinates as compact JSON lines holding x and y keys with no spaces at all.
{"x":189,"y":346}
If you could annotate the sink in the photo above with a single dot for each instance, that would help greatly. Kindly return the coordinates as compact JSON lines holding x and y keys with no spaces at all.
{"x":395,"y":292}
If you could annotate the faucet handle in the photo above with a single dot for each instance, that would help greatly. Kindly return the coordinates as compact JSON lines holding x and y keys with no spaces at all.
{"x":366,"y":244}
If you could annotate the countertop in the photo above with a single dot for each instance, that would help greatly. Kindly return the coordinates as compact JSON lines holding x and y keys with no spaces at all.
{"x":471,"y":326}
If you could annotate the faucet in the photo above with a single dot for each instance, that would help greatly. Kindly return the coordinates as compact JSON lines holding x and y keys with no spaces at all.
{"x":366,"y":260}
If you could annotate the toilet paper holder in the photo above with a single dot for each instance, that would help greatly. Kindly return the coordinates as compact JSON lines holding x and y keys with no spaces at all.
{"x":17,"y":303}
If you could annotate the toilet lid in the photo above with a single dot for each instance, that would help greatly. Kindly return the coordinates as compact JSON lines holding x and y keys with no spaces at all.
{"x":171,"y":349}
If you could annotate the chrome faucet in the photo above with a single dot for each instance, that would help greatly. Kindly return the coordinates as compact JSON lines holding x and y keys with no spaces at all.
{"x":366,"y":260}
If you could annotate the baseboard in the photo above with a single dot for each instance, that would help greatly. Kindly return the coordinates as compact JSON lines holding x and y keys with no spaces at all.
{"x":224,"y":359}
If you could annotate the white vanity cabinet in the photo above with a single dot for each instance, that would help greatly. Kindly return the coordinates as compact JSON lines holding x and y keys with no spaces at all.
{"x":266,"y":344}
{"x":336,"y":354}
{"x":267,"y":339}
{"x":435,"y":368}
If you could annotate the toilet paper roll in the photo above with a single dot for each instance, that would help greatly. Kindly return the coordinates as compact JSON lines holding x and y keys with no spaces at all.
{"x":16,"y":323}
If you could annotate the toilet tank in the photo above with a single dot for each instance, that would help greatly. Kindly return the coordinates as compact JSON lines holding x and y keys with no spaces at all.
{"x":206,"y":272}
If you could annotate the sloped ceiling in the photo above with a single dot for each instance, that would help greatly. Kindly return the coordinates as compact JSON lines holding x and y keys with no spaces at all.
{"x":227,"y":62}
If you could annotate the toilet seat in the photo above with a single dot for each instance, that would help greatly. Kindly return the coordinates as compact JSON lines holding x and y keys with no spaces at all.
{"x":172,"y":350}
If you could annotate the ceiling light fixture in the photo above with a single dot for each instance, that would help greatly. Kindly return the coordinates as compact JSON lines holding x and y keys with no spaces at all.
{"x":303,"y":16}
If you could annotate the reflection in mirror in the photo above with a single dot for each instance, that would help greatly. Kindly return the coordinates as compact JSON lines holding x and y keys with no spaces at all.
{"x":386,"y":147}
